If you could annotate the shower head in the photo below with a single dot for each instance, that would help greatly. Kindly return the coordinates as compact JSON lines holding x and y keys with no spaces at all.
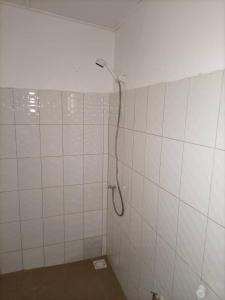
{"x":103,"y":64}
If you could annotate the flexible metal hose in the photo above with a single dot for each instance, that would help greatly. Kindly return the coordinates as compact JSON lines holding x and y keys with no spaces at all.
{"x":120,"y":214}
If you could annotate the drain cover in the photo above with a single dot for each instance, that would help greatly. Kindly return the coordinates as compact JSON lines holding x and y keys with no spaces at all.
{"x":99,"y":264}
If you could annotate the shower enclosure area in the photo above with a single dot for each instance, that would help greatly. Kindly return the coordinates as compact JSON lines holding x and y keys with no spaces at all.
{"x":112,"y":146}
{"x":53,"y":177}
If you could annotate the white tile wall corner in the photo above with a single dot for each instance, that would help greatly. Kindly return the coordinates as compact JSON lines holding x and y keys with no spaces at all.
{"x":44,"y":204}
{"x":177,"y":205}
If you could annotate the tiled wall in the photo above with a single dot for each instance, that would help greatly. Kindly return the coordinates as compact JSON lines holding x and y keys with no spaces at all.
{"x":172,"y":171}
{"x":53,"y":171}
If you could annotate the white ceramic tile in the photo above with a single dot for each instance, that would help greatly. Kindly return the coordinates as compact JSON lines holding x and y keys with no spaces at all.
{"x":139,"y":152}
{"x":72,"y":139}
{"x":129,"y":109}
{"x":106,"y":139}
{"x":52,"y":171}
{"x":150,"y":203}
{"x":156,"y":96}
{"x":73,"y":227}
{"x":203,"y":109}
{"x":93,"y":108}
{"x":175,"y":109}
{"x":32,"y":233}
{"x":93,"y":168}
{"x":196,"y":176}
{"x":51,"y":140}
{"x":137,"y":190}
{"x":74,"y":251}
{"x":93,"y":139}
{"x":92,"y":247}
{"x":104,"y":221}
{"x":148,"y":243}
{"x":29,"y":171}
{"x":73,"y":109}
{"x":104,"y":245}
{"x":54,"y":255}
{"x":73,"y":170}
{"x":220,"y":140}
{"x":6,"y":106}
{"x":27,"y":106}
{"x":92,"y":196}
{"x":30,"y":204}
{"x":92,"y":223}
{"x":51,"y":109}
{"x":113,"y":108}
{"x":135,"y":228}
{"x":7,"y":141}
{"x":214,"y":262}
{"x":125,"y":146}
{"x":11,"y":262}
{"x":33,"y":258}
{"x":217,"y":197}
{"x":73,"y":199}
{"x":140,"y":114}
{"x":168,"y":217}
{"x":147,"y":276}
{"x":53,"y":230}
{"x":112,"y":134}
{"x":28,"y":140}
{"x":191,"y":236}
{"x":8,"y":175}
{"x":164,"y":268}
{"x":52,"y":201}
{"x":105,"y":167}
{"x":186,"y":282}
{"x":171,"y":161}
{"x":10,"y":237}
{"x":152,"y":157}
{"x":9,"y":207}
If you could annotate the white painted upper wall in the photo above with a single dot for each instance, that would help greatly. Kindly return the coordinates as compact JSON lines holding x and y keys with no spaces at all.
{"x":46,"y":52}
{"x":166,"y":40}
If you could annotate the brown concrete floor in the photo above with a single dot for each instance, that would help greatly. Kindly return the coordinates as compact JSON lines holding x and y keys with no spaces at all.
{"x":74,"y":281}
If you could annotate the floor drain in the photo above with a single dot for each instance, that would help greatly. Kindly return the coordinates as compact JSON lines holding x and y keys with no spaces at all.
{"x":99,"y":264}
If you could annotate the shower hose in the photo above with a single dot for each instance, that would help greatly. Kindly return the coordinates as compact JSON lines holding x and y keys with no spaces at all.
{"x":119,"y":213}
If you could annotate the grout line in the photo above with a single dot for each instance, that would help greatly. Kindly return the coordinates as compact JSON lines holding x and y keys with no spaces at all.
{"x":17,"y":170}
{"x":42,"y":195}
{"x":179,"y":192}
{"x":63,"y":181}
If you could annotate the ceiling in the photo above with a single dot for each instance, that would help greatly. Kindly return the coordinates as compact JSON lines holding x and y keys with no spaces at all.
{"x":106,"y":13}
